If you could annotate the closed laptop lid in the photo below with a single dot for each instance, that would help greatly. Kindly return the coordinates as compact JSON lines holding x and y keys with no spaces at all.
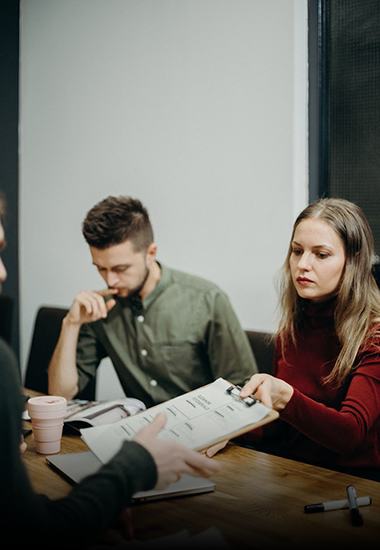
{"x":77,"y":466}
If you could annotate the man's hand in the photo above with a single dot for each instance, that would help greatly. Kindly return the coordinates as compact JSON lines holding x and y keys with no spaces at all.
{"x":90,"y":306}
{"x":172,"y":459}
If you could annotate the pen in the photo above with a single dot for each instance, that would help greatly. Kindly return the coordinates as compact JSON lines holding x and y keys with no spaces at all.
{"x":356,"y":517}
{"x":335,"y":505}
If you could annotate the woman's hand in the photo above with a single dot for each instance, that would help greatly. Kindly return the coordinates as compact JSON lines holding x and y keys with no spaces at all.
{"x":272,"y":392}
{"x":211,"y":451}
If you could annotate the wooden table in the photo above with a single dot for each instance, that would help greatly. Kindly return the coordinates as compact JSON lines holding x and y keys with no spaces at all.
{"x":258,"y":502}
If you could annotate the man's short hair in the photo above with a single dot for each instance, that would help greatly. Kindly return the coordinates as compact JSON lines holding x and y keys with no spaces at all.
{"x":115,"y":220}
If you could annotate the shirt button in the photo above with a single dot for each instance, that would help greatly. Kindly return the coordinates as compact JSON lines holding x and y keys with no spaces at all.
{"x":153,"y":383}
{"x":144,"y":352}
{"x":141,"y":318}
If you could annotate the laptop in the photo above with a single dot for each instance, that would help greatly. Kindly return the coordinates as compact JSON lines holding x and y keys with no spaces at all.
{"x":76,"y":466}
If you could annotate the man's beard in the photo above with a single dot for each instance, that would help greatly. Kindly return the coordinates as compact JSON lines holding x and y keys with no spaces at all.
{"x":133,"y":293}
{"x":136,"y":291}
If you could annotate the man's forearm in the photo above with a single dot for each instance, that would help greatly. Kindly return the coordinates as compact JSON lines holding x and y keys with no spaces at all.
{"x":63,"y":374}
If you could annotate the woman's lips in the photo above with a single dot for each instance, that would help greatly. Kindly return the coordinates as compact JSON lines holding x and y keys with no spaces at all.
{"x":304,"y":281}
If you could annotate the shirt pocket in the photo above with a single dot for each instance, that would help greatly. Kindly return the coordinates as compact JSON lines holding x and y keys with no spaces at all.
{"x":182,"y":363}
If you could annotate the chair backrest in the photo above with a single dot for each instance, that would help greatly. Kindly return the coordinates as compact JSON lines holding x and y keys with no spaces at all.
{"x":262,"y":344}
{"x":45,"y":336}
{"x":6,"y":317}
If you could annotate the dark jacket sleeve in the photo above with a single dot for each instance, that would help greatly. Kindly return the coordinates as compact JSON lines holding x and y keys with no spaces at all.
{"x":91,"y":506}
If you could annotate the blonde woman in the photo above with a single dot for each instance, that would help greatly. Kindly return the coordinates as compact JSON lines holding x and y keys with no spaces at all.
{"x":326,"y":376}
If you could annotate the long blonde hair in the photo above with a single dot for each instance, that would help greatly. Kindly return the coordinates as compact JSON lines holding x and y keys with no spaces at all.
{"x":358,"y":299}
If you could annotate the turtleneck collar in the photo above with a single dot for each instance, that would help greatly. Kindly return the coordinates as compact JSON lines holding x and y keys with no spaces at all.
{"x":319,"y":314}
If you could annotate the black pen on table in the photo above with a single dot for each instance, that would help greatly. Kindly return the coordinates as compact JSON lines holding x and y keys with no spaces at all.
{"x":356,"y":517}
{"x":335,"y":505}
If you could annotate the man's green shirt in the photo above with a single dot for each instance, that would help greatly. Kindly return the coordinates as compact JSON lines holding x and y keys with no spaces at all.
{"x":183,"y":335}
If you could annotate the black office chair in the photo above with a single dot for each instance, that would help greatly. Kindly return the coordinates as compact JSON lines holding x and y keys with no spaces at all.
{"x":46,"y":332}
{"x":262,"y":344}
{"x":376,"y":273}
{"x":6,"y":317}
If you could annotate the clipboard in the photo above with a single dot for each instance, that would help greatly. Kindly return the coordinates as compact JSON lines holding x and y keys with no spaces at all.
{"x":198,"y":419}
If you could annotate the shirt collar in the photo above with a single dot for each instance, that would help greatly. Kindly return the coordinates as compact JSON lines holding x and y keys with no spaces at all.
{"x":163,"y":283}
{"x":137,"y":305}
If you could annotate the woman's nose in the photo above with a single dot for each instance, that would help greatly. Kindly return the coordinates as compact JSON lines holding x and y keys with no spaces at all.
{"x":304,"y":262}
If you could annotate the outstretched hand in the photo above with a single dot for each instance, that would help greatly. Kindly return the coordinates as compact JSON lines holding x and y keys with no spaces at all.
{"x":172,"y":459}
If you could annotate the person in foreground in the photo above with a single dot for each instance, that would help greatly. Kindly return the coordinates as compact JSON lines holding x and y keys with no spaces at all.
{"x":326,"y":374}
{"x":165,"y":331}
{"x":93,"y":505}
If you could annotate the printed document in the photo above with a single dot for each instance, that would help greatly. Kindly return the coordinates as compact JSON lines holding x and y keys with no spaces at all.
{"x":197,"y":419}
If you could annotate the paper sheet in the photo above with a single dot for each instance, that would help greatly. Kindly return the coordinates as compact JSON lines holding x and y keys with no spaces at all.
{"x":196,"y":419}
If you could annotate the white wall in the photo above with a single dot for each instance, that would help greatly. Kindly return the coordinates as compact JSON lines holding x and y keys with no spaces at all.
{"x":197,"y":107}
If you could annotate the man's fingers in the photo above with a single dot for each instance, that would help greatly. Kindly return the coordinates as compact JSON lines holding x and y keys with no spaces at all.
{"x":92,"y":303}
{"x":153,"y":429}
{"x":200,"y":465}
{"x":110,"y":304}
{"x":158,"y":423}
{"x":107,"y":291}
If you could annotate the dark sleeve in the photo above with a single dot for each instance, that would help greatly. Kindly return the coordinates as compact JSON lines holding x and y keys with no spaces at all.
{"x":91,"y":506}
{"x":94,"y":504}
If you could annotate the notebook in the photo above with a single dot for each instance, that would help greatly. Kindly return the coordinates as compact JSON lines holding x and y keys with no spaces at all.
{"x":76,"y":466}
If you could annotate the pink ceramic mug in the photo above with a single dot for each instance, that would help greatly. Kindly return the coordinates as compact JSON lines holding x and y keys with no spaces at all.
{"x":47,"y":413}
